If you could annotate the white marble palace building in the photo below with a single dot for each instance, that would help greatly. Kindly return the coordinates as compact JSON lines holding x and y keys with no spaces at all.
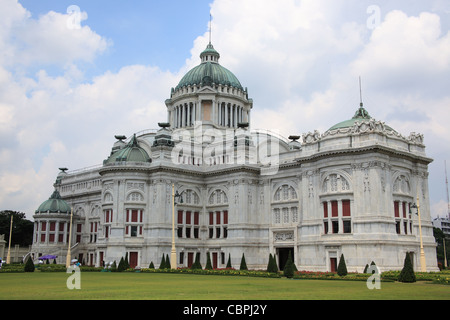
{"x":347,"y":190}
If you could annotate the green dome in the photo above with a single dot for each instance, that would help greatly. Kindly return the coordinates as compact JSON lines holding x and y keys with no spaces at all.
{"x":209,"y":71}
{"x":54,"y":205}
{"x":360,"y":115}
{"x":131,"y":152}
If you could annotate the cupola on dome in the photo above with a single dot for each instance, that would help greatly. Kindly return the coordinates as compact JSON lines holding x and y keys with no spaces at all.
{"x":209,"y":72}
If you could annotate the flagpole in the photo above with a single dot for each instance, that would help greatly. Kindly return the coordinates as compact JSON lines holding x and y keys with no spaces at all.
{"x":8,"y":257}
{"x":68,"y":258}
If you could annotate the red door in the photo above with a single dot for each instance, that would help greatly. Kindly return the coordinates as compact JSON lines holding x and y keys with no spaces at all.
{"x":133,"y":259}
{"x":214,"y":256}
{"x":333,"y":264}
{"x":190,"y":259}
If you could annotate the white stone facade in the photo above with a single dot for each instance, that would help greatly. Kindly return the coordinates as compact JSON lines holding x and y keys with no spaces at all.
{"x":346,"y":191}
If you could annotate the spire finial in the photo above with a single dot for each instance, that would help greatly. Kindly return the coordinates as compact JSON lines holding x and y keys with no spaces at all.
{"x":210,"y":28}
{"x":360,"y":93}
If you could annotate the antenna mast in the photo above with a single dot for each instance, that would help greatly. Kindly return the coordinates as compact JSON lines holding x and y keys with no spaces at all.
{"x":210,"y":28}
{"x":360,"y":93}
{"x":446,"y":183}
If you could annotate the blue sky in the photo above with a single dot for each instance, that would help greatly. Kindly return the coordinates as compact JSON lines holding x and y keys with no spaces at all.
{"x":143,"y":32}
{"x":65,"y":93}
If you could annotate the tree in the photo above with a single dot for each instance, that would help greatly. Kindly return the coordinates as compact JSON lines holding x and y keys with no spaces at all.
{"x":342,"y":268}
{"x":22,"y":233}
{"x":29,"y":265}
{"x":208,"y":262}
{"x":196,"y":264}
{"x":168,"y":265}
{"x":243,"y":263}
{"x":272,"y":265}
{"x":151,"y":266}
{"x":289,"y":267}
{"x":407,"y":274}
{"x":162,"y":265}
{"x":121,"y":267}
{"x":229,"y":262}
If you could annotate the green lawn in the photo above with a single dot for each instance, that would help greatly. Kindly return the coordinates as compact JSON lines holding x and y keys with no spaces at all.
{"x":100,"y":285}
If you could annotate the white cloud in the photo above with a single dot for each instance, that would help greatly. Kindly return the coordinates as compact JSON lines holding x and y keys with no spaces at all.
{"x":46,"y":40}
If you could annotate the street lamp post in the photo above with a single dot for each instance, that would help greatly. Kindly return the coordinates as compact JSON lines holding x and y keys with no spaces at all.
{"x":8,"y":257}
{"x":68,"y":258}
{"x":173,"y":252}
{"x":423,"y":265}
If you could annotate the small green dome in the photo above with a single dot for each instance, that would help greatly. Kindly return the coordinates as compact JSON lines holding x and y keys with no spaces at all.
{"x":360,"y":115}
{"x":54,"y":205}
{"x":131,"y":152}
{"x":209,"y":71}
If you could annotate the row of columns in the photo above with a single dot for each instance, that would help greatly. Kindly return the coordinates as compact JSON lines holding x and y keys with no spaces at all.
{"x":222,"y":113}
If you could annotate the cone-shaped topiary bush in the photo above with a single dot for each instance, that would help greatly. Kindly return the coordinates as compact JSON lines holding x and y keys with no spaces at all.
{"x":229,"y":262}
{"x":29,"y":265}
{"x":342,"y":268}
{"x":407,"y":274}
{"x":208,"y":262}
{"x":289,"y":267}
{"x":272,"y":265}
{"x":243,"y":263}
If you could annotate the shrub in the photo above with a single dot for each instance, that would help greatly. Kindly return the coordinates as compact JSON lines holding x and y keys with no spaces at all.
{"x":243,"y":263}
{"x":151,"y":266}
{"x":272,"y":265}
{"x":163,"y":264}
{"x":342,"y":268}
{"x":29,"y":265}
{"x":121,"y":267}
{"x":208,"y":262}
{"x":229,"y":262}
{"x":407,"y":273}
{"x":288,"y":270}
{"x":197,"y":265}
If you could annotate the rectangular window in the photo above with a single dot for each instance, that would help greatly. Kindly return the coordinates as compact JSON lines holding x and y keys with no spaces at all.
{"x":51,"y":237}
{"x":334,"y":208}
{"x":218,"y":217}
{"x":347,"y":226}
{"x":396,"y":209}
{"x":43,"y":226}
{"x":188,"y":233}
{"x":346,"y":208}
{"x":325,"y":209}
{"x":404,"y":209}
{"x":52,"y":226}
{"x":397,"y":227}
{"x":225,"y":217}
{"x":188,"y":217}
{"x":196,"y":233}
{"x":211,"y":218}
{"x":325,"y":227}
{"x":61,"y":226}
{"x":196,"y":217}
{"x":180,"y":217}
{"x":335,"y":226}
{"x":134,"y":216}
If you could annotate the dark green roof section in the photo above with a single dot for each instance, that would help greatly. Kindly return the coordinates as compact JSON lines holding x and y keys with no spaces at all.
{"x":132,"y":152}
{"x":209,"y":72}
{"x":360,"y":115}
{"x":55,"y":204}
